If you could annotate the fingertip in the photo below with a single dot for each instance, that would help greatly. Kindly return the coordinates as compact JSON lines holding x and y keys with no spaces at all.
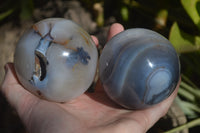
{"x":10,"y":75}
{"x":14,"y":92}
{"x":115,"y":29}
{"x":96,"y":41}
{"x":10,"y":80}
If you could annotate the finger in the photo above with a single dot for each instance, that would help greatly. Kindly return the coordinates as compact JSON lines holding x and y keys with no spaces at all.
{"x":114,"y":29}
{"x":96,"y":41}
{"x":9,"y":68}
{"x":148,"y":117}
{"x":16,"y":95}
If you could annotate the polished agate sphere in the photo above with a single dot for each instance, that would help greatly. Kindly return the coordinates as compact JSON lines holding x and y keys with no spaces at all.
{"x":139,"y":68}
{"x":56,"y":60}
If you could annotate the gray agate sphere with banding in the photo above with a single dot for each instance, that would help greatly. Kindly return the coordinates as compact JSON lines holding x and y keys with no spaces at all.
{"x":139,"y":68}
{"x":56,"y":60}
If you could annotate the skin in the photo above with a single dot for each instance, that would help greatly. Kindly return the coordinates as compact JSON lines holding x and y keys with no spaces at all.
{"x":89,"y":113}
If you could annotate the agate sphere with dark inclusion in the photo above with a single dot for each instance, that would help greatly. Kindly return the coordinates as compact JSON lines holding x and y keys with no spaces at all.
{"x":139,"y":68}
{"x":56,"y":60}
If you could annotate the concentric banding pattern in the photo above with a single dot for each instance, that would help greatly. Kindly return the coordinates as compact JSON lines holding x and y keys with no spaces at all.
{"x":139,"y":68}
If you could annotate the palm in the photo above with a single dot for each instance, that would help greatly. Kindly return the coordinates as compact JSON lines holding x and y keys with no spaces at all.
{"x":91,"y":112}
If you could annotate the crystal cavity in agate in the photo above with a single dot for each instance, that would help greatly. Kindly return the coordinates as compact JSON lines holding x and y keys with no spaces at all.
{"x":56,"y":60}
{"x":139,"y":68}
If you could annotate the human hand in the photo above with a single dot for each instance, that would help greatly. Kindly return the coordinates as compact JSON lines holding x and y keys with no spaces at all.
{"x":89,"y":113}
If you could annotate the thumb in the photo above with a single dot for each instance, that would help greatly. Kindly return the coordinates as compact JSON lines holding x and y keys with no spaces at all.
{"x":14,"y":92}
